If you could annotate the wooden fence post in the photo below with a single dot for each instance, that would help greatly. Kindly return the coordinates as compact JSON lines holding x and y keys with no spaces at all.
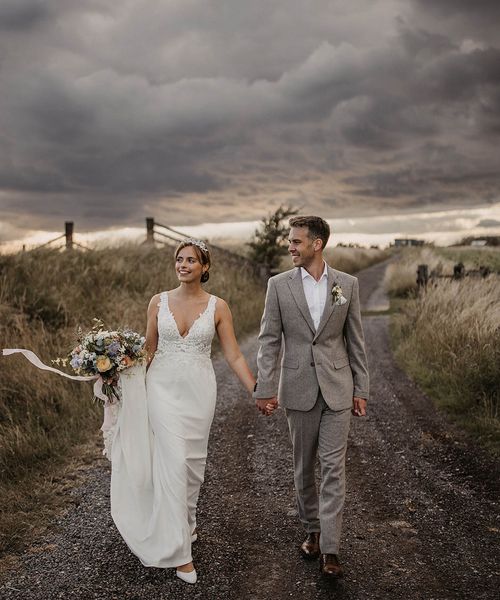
{"x":68,"y":232}
{"x":150,"y":230}
{"x":459,"y":271}
{"x":422,"y":276}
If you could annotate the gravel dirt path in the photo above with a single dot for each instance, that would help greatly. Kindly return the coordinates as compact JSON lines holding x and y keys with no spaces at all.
{"x":421,"y":518}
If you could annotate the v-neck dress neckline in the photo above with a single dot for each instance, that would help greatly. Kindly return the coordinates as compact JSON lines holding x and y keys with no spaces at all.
{"x":184,"y":337}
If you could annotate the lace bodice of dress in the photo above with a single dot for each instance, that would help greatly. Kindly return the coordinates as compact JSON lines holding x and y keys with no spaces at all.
{"x":197,"y":342}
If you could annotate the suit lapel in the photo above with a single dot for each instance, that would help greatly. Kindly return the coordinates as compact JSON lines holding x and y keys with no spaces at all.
{"x":297,"y":289}
{"x":329,"y":305}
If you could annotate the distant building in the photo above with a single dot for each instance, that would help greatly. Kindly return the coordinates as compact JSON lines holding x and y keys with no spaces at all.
{"x":479,"y":242}
{"x":408,"y":242}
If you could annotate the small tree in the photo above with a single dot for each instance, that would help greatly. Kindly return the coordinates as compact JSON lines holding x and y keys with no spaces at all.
{"x":270,"y":240}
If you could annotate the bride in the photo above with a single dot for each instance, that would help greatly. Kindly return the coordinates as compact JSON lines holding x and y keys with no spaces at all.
{"x":160,"y":445}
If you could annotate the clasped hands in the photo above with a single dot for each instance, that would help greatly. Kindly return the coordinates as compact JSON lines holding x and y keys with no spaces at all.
{"x":268,"y":405}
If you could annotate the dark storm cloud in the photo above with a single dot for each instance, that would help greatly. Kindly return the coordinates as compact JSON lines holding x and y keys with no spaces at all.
{"x":489,"y":223}
{"x":481,"y":9}
{"x":461,"y":19}
{"x":207,"y":110}
{"x":22,"y":14}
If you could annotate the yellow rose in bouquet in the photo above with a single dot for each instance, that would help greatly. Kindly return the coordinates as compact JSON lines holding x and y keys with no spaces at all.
{"x":103,"y":364}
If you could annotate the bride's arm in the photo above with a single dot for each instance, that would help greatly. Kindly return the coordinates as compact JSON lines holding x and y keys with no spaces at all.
{"x":229,"y":345}
{"x":152,"y":329}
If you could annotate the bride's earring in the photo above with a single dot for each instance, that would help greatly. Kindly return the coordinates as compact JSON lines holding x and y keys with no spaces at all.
{"x":205,"y":277}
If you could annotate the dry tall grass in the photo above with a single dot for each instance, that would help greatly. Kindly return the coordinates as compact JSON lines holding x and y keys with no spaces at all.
{"x":44,"y":296}
{"x":401,"y":276}
{"x":449,"y":340}
{"x":473,"y":257}
{"x":351,"y":260}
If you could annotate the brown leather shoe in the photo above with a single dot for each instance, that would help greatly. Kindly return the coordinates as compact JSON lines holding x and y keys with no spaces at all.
{"x":310,"y":547}
{"x":330,"y":566}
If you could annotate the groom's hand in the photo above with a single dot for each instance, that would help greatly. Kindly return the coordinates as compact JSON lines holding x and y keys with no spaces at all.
{"x":358,"y":407}
{"x":267,"y":405}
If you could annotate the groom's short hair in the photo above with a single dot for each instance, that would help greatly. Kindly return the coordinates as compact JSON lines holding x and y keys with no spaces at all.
{"x":316,"y":227}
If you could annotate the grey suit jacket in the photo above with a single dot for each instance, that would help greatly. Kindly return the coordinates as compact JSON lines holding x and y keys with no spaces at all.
{"x":331,"y":359}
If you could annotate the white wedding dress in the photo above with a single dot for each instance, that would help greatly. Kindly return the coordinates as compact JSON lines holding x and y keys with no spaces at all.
{"x":159,"y":445}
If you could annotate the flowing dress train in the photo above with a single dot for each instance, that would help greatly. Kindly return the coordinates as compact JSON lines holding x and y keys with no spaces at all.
{"x":159,"y":448}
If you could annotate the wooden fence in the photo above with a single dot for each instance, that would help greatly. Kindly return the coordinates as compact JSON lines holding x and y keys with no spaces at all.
{"x":166,"y":235}
{"x":459,"y":272}
{"x":70,"y":242}
{"x":173,"y":237}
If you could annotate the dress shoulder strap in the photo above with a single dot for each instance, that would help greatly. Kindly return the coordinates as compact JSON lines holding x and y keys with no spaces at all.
{"x":163,"y":300}
{"x":210,"y":312}
{"x":212,"y":302}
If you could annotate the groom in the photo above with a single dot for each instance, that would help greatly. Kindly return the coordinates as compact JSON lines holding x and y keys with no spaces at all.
{"x":324,"y":377}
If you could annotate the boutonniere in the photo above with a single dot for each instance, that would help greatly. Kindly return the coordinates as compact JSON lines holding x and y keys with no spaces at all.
{"x":337,"y":296}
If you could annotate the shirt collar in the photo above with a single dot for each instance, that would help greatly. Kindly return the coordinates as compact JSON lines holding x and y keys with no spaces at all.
{"x":305,"y":274}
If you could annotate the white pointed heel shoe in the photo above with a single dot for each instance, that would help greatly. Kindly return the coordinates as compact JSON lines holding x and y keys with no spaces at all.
{"x":189,"y":577}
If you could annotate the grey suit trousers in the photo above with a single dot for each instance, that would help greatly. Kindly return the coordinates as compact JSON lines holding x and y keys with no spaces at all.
{"x":321,"y":432}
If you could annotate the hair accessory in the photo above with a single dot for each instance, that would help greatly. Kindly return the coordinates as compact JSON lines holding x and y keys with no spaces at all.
{"x":199,"y":243}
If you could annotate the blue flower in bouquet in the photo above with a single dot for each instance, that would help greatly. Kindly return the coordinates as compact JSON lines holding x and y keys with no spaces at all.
{"x":76,"y":362}
{"x":113,"y":348}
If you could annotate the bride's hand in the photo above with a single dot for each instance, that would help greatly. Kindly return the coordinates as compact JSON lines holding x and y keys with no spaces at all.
{"x":270,"y":408}
{"x":267,"y":405}
{"x":113,"y":380}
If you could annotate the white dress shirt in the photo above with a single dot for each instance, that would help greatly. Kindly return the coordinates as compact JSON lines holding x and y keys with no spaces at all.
{"x":315,"y":292}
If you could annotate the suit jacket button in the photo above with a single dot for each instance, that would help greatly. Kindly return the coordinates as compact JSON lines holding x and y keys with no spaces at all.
{"x":314,"y":343}
{"x":312,"y":364}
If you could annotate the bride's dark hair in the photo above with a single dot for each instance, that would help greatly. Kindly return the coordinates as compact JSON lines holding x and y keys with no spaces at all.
{"x":202,"y":252}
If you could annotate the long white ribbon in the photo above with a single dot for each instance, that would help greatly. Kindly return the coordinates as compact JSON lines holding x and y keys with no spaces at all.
{"x":34,"y":360}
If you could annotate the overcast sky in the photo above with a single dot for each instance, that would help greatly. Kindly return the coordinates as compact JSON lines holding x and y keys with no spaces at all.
{"x":199,"y":111}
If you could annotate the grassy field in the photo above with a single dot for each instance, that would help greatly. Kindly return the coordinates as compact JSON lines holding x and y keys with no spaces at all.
{"x":343,"y":258}
{"x":349,"y":260}
{"x":472,"y":258}
{"x":45,"y":295}
{"x":401,"y":276}
{"x":49,"y":427}
{"x":400,"y":279}
{"x":448,"y":338}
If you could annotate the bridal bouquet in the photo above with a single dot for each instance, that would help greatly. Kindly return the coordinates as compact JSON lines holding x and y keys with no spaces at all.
{"x":99,"y":357}
{"x":103,"y":354}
